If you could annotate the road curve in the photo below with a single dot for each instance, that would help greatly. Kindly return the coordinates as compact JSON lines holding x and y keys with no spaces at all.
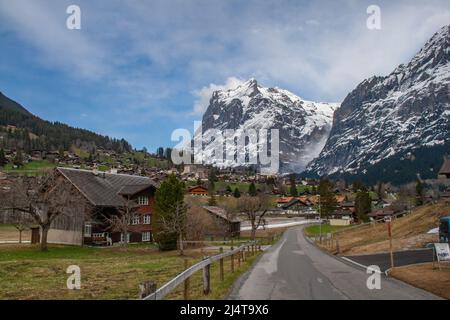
{"x":295,"y":269}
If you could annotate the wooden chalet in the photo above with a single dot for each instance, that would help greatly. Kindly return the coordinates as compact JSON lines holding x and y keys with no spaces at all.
{"x":105,"y":194}
{"x":198,"y":191}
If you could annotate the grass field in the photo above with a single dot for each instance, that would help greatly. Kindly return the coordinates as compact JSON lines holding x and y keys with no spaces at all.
{"x":31,"y":168}
{"x":408,"y":232}
{"x":314,"y":230}
{"x":424,"y":276}
{"x":106,"y":273}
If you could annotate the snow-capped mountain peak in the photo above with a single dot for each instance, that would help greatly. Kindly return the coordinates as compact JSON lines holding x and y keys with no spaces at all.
{"x":393,"y":115}
{"x":303,"y":125}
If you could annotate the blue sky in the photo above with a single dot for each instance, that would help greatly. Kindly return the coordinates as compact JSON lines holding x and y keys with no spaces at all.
{"x":140,"y":69}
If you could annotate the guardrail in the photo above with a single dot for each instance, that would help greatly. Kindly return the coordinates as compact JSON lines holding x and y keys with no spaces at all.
{"x":204,"y":265}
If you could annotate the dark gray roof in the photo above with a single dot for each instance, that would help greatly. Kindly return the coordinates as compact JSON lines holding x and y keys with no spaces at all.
{"x":445,"y":169}
{"x":294,"y":202}
{"x":130,"y":190}
{"x":104,"y":189}
{"x":222,"y":213}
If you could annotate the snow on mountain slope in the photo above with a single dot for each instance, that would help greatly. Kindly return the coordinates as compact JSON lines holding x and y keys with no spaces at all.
{"x":392,"y":115}
{"x":303,"y":125}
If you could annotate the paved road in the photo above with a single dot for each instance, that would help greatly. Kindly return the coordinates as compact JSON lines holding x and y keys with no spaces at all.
{"x":294,"y":269}
{"x":401,"y":258}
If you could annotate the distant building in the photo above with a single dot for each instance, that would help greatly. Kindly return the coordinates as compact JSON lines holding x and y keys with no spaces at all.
{"x":195,"y":170}
{"x":445,"y":169}
{"x":198,"y":191}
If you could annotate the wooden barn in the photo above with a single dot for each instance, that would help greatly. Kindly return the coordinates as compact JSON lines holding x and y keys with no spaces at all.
{"x":223,"y":225}
{"x":104,"y":195}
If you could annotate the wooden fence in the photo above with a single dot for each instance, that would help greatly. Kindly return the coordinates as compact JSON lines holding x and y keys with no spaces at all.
{"x":240,"y":253}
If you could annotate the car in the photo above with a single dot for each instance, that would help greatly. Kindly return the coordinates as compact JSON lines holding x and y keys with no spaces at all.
{"x":444,"y":230}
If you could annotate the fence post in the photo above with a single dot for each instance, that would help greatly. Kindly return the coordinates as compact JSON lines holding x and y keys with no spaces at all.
{"x":206,"y":278}
{"x":221,"y":266}
{"x":239,"y":259}
{"x":232,"y":260}
{"x":186,"y":282}
{"x":146,"y":289}
{"x":243,"y":255}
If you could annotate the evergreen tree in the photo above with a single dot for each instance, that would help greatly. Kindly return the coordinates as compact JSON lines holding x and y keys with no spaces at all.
{"x":229,"y":190}
{"x":237,"y":193}
{"x":358,"y":185}
{"x":199,"y":182}
{"x":328,"y":202}
{"x":293,"y":188}
{"x":3,"y":160}
{"x":212,"y":200}
{"x":380,"y":191}
{"x":419,"y":192}
{"x":252,"y":190}
{"x":363,"y":204}
{"x":168,"y":198}
{"x":18,"y":159}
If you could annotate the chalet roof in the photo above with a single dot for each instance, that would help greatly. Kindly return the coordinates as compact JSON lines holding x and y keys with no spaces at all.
{"x":285,"y":199}
{"x":342,"y":212}
{"x":104,"y":189}
{"x":220,"y":212}
{"x":132,"y":189}
{"x":294,"y":202}
{"x":445,"y":166}
{"x":197,"y":187}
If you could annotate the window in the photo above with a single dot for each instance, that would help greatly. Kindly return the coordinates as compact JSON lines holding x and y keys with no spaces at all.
{"x":128,"y":237}
{"x":147,"y":219}
{"x":88,"y":230}
{"x":142,"y":201}
{"x":136,"y":220}
{"x":146,"y":236}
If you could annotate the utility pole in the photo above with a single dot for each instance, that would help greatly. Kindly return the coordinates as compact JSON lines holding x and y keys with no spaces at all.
{"x":389,"y":226}
{"x":320,"y":220}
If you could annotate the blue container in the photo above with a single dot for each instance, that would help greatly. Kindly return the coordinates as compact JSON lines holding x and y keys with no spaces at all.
{"x":444,"y":230}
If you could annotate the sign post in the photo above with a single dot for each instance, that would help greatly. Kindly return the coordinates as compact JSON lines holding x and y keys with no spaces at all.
{"x":442,"y":253}
{"x":388,"y":220}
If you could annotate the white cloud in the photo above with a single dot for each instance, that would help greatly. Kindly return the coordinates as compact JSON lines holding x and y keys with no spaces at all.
{"x":203,"y":95}
{"x":43,"y":25}
{"x":320,"y":50}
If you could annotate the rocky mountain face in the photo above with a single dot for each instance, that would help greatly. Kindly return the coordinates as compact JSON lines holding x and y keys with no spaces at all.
{"x":303,"y":125}
{"x":393,"y":117}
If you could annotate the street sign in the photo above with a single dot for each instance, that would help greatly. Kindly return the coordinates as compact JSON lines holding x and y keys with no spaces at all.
{"x":442,"y":252}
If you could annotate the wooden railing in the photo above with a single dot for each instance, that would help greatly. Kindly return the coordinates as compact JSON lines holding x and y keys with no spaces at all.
{"x":247,"y":249}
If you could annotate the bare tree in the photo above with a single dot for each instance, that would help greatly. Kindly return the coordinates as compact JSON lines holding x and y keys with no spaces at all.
{"x":255,"y":209}
{"x":176,"y":223}
{"x":44,"y":198}
{"x":21,"y":221}
{"x":121,"y":221}
{"x":198,"y":222}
